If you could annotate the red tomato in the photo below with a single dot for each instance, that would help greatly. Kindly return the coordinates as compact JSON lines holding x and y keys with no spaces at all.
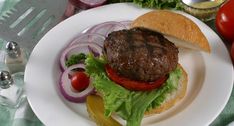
{"x":232,"y":51}
{"x":131,"y":84}
{"x":79,"y":81}
{"x":225,"y":20}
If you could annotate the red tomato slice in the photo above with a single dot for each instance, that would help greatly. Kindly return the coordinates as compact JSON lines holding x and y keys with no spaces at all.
{"x":131,"y":84}
{"x":79,"y":81}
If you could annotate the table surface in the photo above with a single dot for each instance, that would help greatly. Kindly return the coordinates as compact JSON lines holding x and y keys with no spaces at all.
{"x":25,"y":117}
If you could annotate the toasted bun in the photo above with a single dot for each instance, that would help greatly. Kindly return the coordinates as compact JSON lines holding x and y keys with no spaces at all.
{"x":177,"y":28}
{"x":173,"y":97}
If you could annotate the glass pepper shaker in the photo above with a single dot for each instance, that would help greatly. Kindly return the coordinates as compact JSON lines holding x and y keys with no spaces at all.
{"x":11,"y":89}
{"x":16,"y":58}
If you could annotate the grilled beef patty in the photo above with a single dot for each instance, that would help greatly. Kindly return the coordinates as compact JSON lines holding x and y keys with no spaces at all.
{"x":140,"y":54}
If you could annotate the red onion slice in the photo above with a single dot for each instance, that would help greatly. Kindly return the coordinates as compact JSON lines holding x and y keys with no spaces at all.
{"x":66,"y":88}
{"x":85,"y":48}
{"x":86,"y":4}
{"x":88,"y":37}
{"x":106,"y":28}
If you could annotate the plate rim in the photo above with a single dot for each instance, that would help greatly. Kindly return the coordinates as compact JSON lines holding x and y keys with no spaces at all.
{"x":64,"y":23}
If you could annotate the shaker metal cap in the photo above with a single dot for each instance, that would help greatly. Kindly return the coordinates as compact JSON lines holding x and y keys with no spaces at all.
{"x":13,"y":49}
{"x":5,"y":79}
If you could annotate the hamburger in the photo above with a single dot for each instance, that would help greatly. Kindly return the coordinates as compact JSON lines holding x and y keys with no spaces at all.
{"x":139,"y":73}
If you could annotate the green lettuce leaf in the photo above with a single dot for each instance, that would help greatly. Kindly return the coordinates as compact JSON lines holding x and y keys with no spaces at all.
{"x":158,"y":4}
{"x":125,"y":103}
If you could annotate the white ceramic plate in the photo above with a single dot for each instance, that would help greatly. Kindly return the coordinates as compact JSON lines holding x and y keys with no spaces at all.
{"x":209,"y":86}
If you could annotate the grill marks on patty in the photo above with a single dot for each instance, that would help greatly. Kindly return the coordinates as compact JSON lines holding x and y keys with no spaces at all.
{"x":140,"y":54}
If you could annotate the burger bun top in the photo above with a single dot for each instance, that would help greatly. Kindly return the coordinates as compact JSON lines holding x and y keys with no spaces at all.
{"x":177,"y":28}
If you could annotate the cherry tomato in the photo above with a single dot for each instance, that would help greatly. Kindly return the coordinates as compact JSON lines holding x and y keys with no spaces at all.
{"x":131,"y":84}
{"x":79,"y":81}
{"x":232,"y":52}
{"x":224,"y":20}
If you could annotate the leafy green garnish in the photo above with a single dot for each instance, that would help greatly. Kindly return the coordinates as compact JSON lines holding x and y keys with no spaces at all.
{"x":75,"y":58}
{"x":158,"y":4}
{"x":130,"y":105}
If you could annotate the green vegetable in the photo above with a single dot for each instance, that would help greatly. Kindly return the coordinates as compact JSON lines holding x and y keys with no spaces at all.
{"x":158,"y":4}
{"x":119,"y":1}
{"x":125,"y":103}
{"x":75,"y":58}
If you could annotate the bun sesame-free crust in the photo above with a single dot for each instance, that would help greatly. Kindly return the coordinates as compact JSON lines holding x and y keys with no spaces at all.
{"x":175,"y":27}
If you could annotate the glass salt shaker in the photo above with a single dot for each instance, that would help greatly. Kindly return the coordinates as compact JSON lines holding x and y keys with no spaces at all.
{"x":11,"y":89}
{"x":16,"y":57}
